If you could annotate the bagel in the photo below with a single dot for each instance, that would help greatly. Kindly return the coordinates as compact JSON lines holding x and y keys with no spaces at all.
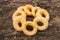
{"x":42,"y":20}
{"x":28,"y":9}
{"x":16,"y":22}
{"x":18,"y":13}
{"x":27,"y":32}
{"x":43,"y":13}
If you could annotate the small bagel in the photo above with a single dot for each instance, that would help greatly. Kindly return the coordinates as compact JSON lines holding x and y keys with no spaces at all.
{"x":34,"y":11}
{"x":29,"y":33}
{"x":18,"y":13}
{"x":43,"y":12}
{"x":17,"y":20}
{"x":28,"y":9}
{"x":42,"y":20}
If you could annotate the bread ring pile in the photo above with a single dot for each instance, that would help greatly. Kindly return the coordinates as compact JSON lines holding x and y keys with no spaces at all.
{"x":19,"y":17}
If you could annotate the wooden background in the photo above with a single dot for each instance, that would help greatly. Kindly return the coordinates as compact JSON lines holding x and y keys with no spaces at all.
{"x":7,"y":32}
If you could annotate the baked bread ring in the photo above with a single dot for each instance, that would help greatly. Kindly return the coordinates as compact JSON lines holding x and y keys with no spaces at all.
{"x":28,"y":9}
{"x":27,"y":32}
{"x":18,"y":13}
{"x":43,"y":21}
{"x":16,"y":22}
{"x":34,"y":11}
{"x":43,"y":13}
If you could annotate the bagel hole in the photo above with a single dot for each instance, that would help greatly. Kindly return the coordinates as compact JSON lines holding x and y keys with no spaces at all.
{"x":29,"y":27}
{"x":22,"y":9}
{"x":40,"y":23}
{"x":18,"y":14}
{"x":35,"y":11}
{"x":29,"y":18}
{"x":43,"y":15}
{"x":29,"y":9}
{"x":20,"y":24}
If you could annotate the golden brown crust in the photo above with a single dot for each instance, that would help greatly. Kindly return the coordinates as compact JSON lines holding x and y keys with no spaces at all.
{"x":43,"y":12}
{"x":28,"y":9}
{"x":44,"y":21}
{"x":18,"y":13}
{"x":34,"y":11}
{"x":16,"y":21}
{"x":29,"y":33}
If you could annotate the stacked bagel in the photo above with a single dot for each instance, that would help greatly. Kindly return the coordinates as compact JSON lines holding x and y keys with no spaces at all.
{"x":20,"y":15}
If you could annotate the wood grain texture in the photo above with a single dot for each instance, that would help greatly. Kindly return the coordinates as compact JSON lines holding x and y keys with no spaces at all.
{"x":7,"y":32}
